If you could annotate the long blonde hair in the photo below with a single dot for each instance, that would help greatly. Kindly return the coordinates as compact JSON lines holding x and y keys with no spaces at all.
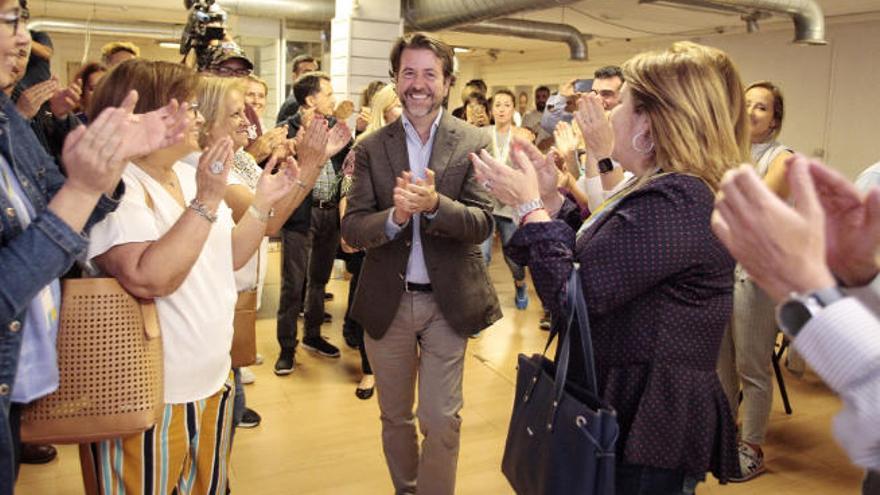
{"x":382,"y":100}
{"x":211,"y":95}
{"x":694,"y":100}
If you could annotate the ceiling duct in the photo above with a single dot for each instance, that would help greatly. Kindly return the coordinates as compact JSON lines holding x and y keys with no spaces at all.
{"x":809,"y":21}
{"x":298,"y":10}
{"x":436,"y":15}
{"x":547,"y":31}
{"x":133,"y":30}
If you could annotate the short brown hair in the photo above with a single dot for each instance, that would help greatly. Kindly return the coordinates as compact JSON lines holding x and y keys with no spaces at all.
{"x":301,"y":59}
{"x":156,"y":83}
{"x":778,"y":103}
{"x":422,"y":41}
{"x":308,"y":84}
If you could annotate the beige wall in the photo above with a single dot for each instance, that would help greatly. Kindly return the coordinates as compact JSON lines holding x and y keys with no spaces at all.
{"x":69,"y":49}
{"x":832,"y":103}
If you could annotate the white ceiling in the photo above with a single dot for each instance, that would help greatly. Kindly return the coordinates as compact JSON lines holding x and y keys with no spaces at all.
{"x":604,"y":19}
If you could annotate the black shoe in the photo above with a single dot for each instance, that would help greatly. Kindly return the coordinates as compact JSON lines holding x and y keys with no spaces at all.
{"x":34,"y":453}
{"x":364,"y":393}
{"x":285,"y":364}
{"x":250,"y":419}
{"x":328,"y":296}
{"x":321,"y":346}
{"x":350,"y":339}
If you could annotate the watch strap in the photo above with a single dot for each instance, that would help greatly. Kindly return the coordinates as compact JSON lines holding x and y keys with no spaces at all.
{"x":793,"y":314}
{"x":828,"y":295}
{"x":523,"y":209}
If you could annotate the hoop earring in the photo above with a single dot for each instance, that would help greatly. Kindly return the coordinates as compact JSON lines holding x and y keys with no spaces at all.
{"x":644,"y":151}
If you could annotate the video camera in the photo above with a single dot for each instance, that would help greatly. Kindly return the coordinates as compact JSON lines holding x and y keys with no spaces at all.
{"x":206,"y":23}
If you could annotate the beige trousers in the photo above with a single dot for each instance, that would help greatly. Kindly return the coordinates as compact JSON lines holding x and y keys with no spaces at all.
{"x":745,"y":358}
{"x":421,"y":348}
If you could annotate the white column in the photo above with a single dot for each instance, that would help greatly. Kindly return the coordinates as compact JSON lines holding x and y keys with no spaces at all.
{"x":362,"y":34}
{"x":263,"y":41}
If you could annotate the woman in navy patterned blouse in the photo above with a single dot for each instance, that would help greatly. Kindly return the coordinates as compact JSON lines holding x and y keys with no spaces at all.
{"x":658,"y":283}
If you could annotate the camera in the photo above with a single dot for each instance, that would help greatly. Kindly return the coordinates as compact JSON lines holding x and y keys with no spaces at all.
{"x":205,"y":25}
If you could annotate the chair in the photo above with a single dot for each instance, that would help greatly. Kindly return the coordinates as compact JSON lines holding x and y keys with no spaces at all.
{"x":776,"y":358}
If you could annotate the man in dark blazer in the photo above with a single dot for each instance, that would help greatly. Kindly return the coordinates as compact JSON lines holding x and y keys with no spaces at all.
{"x":424,"y":289}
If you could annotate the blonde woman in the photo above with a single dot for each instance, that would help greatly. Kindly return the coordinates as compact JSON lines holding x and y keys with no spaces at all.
{"x":657,"y":282}
{"x":222,"y":102}
{"x":384,"y":109}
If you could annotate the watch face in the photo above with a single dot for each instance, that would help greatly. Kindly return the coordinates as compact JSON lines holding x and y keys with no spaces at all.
{"x":793,"y":315}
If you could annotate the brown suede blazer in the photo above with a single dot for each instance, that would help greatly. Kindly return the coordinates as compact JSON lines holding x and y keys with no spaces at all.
{"x":450,"y":241}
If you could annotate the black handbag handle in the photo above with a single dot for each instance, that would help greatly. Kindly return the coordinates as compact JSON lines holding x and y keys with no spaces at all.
{"x":578,"y":320}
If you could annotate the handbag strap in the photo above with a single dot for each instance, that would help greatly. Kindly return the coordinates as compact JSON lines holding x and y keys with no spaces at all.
{"x":577,"y":321}
{"x":583,"y":326}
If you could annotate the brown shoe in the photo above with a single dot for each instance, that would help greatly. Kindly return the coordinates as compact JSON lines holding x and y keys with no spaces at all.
{"x":34,"y":453}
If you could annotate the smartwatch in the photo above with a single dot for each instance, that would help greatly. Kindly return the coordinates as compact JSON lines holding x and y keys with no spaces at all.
{"x":794,"y":313}
{"x":605,"y":165}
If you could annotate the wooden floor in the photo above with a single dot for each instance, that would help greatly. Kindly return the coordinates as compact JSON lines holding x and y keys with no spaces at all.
{"x":318,"y":438}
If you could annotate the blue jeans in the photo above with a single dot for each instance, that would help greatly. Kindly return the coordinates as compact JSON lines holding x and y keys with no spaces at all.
{"x":506,"y":228}
{"x":30,"y":258}
{"x":633,"y":479}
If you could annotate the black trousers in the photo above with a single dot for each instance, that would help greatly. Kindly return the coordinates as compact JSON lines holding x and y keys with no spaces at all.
{"x":353,"y":264}
{"x":295,"y":248}
{"x":325,"y":237}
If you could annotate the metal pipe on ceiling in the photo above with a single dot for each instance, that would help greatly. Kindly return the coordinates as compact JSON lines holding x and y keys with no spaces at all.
{"x":150,"y":30}
{"x":436,"y":15}
{"x":546,"y":31}
{"x":807,"y":15}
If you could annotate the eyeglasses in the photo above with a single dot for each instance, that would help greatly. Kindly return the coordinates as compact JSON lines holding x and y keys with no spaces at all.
{"x":14,"y":18}
{"x":226,"y":71}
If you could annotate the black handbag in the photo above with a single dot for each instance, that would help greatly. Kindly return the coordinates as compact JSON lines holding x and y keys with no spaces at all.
{"x":562,"y":437}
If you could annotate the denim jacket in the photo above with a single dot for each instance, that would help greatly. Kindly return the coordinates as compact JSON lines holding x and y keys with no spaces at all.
{"x":29,"y":258}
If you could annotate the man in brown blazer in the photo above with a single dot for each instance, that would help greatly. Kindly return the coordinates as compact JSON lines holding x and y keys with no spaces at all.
{"x":424,"y":289}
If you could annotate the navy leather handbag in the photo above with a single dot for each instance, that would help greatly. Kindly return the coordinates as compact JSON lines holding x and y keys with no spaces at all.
{"x":562,"y":436}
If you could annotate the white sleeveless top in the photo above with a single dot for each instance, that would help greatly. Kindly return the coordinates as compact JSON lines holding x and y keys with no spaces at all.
{"x":763,"y":155}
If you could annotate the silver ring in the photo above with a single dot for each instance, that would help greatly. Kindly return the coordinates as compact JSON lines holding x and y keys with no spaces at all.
{"x":216,"y":168}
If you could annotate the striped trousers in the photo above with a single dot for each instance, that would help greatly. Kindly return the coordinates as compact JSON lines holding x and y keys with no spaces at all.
{"x":185,"y":453}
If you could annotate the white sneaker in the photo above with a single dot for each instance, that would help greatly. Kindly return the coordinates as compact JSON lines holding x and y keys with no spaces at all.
{"x":247,"y":376}
{"x":751,"y":463}
{"x":259,"y":360}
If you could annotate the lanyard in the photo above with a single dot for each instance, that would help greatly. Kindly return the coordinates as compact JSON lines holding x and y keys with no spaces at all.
{"x":504,"y":152}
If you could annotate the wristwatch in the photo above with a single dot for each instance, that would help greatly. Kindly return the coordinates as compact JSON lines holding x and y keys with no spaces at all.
{"x":605,"y":165}
{"x":523,"y":209}
{"x":793,"y":313}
